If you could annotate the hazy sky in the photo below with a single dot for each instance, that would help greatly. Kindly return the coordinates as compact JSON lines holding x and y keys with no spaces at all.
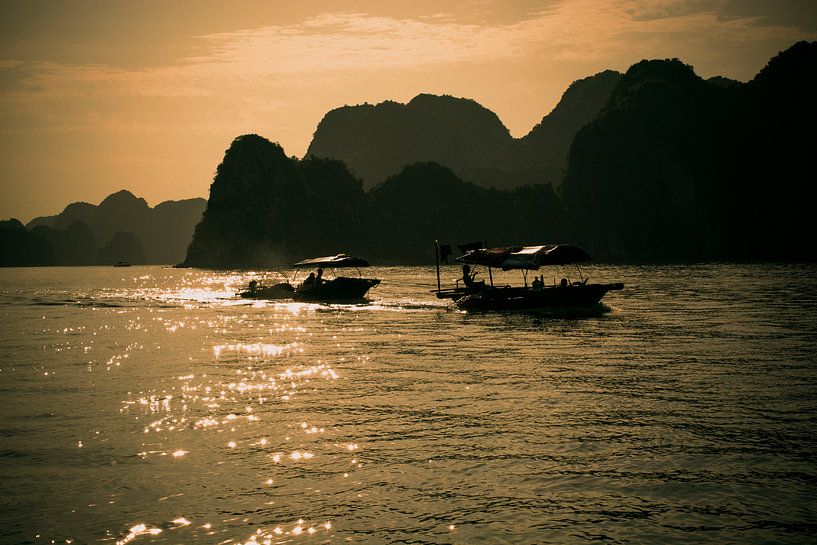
{"x":97,"y":96}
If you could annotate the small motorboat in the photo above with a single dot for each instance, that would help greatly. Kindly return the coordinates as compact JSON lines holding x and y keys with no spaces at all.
{"x":339,"y":288}
{"x":316,"y":288}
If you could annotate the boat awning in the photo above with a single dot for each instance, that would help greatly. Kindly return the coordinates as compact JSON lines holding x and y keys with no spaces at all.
{"x":525,"y":257}
{"x":333,"y":262}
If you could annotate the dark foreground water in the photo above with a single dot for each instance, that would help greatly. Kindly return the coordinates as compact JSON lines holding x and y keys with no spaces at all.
{"x":149,"y":405}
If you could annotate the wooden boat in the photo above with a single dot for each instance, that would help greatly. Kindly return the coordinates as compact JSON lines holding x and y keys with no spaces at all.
{"x":316,"y":288}
{"x":537,"y":296}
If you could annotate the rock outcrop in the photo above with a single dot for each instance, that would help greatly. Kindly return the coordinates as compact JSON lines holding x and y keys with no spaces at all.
{"x":266,"y":208}
{"x":678,"y":168}
{"x":377,"y":141}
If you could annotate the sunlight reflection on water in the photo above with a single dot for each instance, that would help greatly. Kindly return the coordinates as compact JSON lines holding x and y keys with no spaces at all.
{"x":154,"y":405}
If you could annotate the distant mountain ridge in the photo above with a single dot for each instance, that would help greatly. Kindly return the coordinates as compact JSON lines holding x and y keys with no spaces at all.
{"x":121,"y":228}
{"x":377,"y":141}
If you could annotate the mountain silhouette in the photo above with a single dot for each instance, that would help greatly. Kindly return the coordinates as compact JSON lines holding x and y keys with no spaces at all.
{"x":75,"y":245}
{"x":123,"y":247}
{"x":265,"y":208}
{"x":377,"y":141}
{"x":427,"y":201}
{"x":679,"y":168}
{"x":163,"y":232}
{"x":19,"y":247}
{"x":668,"y":167}
{"x":120,"y":211}
{"x":662,"y":165}
{"x":547,"y":144}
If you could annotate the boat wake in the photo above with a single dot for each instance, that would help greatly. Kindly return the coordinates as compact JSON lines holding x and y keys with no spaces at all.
{"x":584,"y":311}
{"x":382,"y":305}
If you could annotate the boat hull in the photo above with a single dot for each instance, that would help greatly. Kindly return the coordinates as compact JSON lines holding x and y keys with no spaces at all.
{"x":283,"y":290}
{"x":555,"y":297}
{"x":337,"y":289}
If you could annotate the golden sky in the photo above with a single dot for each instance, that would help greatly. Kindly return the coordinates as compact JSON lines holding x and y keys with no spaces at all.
{"x":102,"y":95}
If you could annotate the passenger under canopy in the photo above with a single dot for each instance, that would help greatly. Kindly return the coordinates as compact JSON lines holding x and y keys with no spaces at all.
{"x":333,"y":262}
{"x":525,"y":257}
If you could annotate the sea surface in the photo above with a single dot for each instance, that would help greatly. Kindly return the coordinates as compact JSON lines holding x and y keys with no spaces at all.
{"x":151,"y":405}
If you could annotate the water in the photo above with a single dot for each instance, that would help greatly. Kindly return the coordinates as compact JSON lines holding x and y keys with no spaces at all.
{"x":149,"y":405}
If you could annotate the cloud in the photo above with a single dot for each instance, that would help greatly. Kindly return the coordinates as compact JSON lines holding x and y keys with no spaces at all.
{"x":357,"y":41}
{"x":590,"y":30}
{"x":246,"y":68}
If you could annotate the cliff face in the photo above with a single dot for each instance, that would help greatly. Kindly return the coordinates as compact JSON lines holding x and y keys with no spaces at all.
{"x":265,"y":208}
{"x":546,"y":146}
{"x":378,"y":141}
{"x":678,"y":168}
{"x":243,"y":219}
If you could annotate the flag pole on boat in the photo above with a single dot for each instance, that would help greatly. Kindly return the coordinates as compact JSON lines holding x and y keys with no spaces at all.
{"x":437,"y":260}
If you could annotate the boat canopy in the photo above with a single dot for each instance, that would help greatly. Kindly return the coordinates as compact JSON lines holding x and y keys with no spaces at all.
{"x":333,"y":262}
{"x":525,"y":257}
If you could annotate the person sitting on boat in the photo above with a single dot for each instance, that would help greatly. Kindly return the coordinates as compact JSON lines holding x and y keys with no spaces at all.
{"x":319,"y":278}
{"x":309,"y":282}
{"x":468,"y":276}
{"x":252,"y":286}
{"x":563,"y":283}
{"x":538,"y":283}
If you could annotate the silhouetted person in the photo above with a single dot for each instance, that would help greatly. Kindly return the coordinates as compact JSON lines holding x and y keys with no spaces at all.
{"x":253,"y":285}
{"x":309,"y":282}
{"x":468,"y":276}
{"x":319,"y":278}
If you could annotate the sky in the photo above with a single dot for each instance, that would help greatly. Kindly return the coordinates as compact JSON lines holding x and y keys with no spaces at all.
{"x":102,"y":95}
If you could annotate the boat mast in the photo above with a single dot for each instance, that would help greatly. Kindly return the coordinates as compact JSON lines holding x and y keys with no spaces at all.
{"x":437,"y":260}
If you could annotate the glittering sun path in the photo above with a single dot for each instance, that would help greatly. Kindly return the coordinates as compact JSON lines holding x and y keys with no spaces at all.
{"x":145,"y":405}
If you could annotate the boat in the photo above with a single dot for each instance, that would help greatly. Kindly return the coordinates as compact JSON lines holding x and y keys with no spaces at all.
{"x":565,"y":295}
{"x":315,"y":288}
{"x":338,"y":288}
{"x":122,"y":264}
{"x":281,"y":290}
